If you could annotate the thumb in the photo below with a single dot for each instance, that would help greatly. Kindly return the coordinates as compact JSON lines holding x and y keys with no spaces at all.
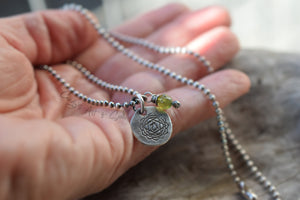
{"x":45,"y":37}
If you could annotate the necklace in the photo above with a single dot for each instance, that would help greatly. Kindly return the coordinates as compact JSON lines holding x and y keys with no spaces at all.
{"x":150,"y":124}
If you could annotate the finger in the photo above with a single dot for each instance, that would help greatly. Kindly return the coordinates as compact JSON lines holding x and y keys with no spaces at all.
{"x":219,"y":44}
{"x":48,"y":36}
{"x":184,"y":29}
{"x":187,"y":27}
{"x":226,"y":85}
{"x":149,"y":22}
{"x":141,"y":26}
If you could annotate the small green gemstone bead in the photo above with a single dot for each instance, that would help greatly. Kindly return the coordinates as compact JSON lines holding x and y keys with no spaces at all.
{"x":163,"y":102}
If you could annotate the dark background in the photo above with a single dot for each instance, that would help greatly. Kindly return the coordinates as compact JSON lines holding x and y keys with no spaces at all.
{"x":12,"y":7}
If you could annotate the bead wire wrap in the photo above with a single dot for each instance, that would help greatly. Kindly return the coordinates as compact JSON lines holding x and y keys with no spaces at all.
{"x":226,"y":134}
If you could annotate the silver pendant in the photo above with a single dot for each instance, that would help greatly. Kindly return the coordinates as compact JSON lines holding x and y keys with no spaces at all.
{"x":153,"y":128}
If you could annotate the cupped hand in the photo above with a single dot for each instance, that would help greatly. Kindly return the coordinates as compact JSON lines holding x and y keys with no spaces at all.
{"x":52,"y":145}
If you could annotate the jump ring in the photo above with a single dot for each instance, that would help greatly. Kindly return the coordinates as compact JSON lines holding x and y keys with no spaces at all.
{"x":142,"y":102}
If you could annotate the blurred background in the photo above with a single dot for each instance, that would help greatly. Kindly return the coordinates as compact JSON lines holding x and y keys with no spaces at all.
{"x":268,"y":24}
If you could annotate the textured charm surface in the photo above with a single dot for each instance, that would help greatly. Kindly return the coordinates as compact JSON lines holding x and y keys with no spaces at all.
{"x":153,"y":128}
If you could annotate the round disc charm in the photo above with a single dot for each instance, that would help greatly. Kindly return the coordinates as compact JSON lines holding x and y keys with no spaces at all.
{"x":152,"y":128}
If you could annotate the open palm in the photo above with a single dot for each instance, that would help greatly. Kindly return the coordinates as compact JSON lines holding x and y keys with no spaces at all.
{"x":53,"y":146}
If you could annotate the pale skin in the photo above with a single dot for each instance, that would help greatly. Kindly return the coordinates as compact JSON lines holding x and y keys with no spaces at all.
{"x":49,"y":150}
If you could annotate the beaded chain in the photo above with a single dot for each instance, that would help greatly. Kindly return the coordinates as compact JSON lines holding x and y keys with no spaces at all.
{"x":226,"y":134}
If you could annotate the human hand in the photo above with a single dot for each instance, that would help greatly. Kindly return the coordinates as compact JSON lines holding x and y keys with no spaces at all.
{"x":51,"y":150}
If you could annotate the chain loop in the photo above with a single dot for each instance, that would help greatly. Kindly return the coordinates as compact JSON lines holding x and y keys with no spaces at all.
{"x":140,"y":99}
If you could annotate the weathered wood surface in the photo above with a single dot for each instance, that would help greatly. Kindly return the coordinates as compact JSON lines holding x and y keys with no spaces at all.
{"x":267,"y":123}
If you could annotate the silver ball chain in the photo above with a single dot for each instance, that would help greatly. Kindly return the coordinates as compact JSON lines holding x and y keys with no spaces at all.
{"x":96,"y":81}
{"x":162,"y":49}
{"x":228,"y":140}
